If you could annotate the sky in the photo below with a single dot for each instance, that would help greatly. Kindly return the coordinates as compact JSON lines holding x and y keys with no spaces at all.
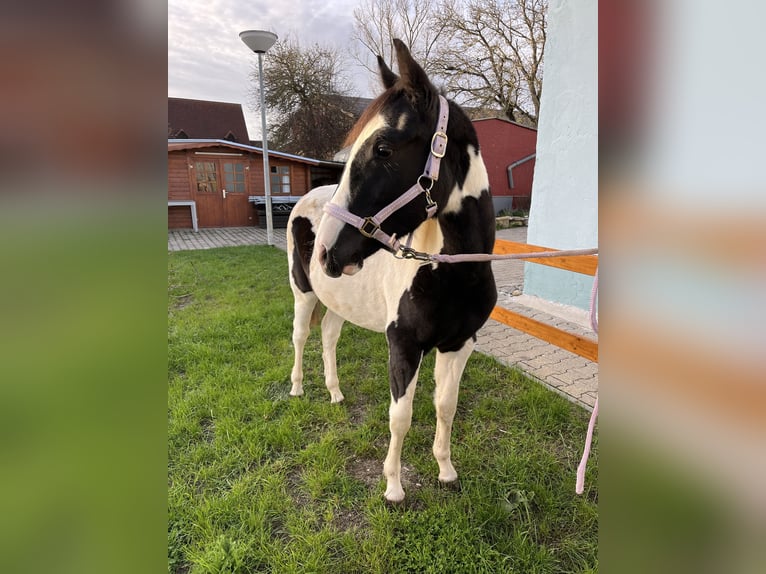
{"x":208,"y":61}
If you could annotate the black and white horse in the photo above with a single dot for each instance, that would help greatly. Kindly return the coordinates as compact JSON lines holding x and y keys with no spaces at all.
{"x":340,"y":242}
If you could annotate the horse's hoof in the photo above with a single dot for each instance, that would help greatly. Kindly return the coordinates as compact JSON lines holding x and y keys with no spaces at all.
{"x":394,"y":496}
{"x":453,"y":485}
{"x":395,"y":504}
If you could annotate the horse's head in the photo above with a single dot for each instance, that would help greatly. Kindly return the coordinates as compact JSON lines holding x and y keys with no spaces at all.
{"x":389,"y":148}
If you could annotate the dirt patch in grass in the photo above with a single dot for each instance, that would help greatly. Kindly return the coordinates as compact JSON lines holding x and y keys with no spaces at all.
{"x":366,"y":470}
{"x":182,"y":301}
{"x":343,"y":519}
{"x":295,"y":489}
{"x":356,"y":413}
{"x":208,"y":429}
{"x":349,"y":519}
{"x":411,"y":480}
{"x":370,"y":472}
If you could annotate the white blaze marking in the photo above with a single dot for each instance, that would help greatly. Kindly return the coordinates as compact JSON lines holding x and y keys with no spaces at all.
{"x":328,"y":231}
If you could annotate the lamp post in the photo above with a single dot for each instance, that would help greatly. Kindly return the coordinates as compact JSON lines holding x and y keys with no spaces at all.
{"x":259,"y":41}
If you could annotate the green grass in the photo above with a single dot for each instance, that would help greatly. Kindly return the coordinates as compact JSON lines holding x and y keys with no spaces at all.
{"x":259,"y":481}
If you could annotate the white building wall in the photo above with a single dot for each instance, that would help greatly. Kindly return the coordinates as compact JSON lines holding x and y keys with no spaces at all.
{"x":564,"y":208}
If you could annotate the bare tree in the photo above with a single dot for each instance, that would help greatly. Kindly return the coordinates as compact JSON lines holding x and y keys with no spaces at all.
{"x":491,"y":54}
{"x":304,"y":91}
{"x":378,"y":22}
{"x":488,"y":54}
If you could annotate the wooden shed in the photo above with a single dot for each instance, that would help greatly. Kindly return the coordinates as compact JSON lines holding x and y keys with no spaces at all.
{"x":508,"y":150}
{"x":221,"y":182}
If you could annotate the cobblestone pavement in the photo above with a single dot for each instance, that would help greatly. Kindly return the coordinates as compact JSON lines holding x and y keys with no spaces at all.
{"x":184,"y":239}
{"x":568,"y":374}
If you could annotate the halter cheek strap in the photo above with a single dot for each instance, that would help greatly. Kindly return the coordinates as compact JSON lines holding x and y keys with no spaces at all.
{"x":370,"y":226}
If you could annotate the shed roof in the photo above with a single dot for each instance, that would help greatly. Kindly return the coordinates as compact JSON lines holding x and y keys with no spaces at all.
{"x":183,"y":144}
{"x":205,"y":119}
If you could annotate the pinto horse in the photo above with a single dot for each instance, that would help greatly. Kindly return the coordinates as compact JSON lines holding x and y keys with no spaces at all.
{"x":344,"y":251}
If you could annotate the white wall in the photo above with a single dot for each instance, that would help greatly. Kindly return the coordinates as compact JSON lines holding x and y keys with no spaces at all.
{"x":564,"y":209}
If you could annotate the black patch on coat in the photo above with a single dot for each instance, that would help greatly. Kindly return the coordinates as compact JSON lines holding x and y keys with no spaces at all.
{"x":444,"y":307}
{"x":303,"y":239}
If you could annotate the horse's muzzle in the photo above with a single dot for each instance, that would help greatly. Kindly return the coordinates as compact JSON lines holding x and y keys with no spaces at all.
{"x":332,"y":267}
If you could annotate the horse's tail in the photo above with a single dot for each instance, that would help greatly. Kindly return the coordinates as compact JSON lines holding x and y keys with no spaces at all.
{"x":316,"y":315}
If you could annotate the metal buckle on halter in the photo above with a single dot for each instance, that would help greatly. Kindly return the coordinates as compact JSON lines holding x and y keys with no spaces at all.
{"x":434,"y":143}
{"x":410,"y":253}
{"x":369,"y":221}
{"x":429,"y":201}
{"x":430,"y":185}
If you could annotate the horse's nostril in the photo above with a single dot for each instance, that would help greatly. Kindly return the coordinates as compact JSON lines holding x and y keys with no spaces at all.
{"x":322,"y":254}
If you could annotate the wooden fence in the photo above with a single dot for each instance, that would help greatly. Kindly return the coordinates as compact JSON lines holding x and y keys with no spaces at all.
{"x":585,"y":264}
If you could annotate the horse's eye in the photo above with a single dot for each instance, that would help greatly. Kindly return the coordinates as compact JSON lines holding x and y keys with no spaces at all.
{"x":383,"y":151}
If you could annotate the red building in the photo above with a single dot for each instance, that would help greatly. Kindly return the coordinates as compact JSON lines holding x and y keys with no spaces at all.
{"x":508,"y":150}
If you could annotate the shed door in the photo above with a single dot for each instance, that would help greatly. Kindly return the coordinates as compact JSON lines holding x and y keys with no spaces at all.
{"x":237,"y":211}
{"x":221,"y":193}
{"x":209,"y":195}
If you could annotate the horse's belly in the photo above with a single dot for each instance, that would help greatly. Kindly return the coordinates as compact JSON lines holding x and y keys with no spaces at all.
{"x":369,"y":298}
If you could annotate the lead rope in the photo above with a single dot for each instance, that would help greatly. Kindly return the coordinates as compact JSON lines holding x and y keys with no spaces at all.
{"x":482,"y":257}
{"x":580,"y":485}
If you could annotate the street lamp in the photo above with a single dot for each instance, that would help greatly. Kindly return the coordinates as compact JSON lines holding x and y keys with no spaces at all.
{"x":259,"y":41}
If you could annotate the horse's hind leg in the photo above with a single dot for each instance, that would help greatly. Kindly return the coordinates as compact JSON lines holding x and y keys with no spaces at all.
{"x":447,"y":372}
{"x":331,"y":326}
{"x":304,"y":308}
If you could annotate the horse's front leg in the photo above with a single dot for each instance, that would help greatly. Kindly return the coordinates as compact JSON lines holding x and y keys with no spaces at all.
{"x":447,"y":372}
{"x":403,"y":366}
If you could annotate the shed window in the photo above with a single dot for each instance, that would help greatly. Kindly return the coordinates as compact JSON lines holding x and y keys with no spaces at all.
{"x":207,"y":178}
{"x":234,"y":177}
{"x":280,"y":179}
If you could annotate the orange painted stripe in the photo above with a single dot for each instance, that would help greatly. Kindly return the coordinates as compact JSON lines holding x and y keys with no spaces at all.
{"x":586,"y":348}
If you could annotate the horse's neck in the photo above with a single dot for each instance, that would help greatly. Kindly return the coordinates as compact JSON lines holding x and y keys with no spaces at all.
{"x":467,"y":223}
{"x":465,"y":231}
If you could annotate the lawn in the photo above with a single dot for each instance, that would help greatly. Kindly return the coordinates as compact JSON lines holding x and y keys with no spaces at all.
{"x":259,"y":481}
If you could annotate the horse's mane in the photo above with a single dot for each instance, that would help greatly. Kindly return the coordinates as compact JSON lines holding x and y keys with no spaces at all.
{"x":370,"y":112}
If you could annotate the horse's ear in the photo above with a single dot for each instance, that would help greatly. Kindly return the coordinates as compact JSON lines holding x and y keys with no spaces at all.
{"x":388,"y":77}
{"x":413,"y":77}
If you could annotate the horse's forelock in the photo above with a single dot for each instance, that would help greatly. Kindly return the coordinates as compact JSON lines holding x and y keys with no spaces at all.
{"x":370,"y":112}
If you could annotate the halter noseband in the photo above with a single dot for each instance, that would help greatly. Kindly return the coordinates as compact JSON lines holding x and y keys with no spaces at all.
{"x":370,"y":226}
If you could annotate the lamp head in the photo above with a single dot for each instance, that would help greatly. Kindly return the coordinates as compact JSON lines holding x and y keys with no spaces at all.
{"x":259,"y":41}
